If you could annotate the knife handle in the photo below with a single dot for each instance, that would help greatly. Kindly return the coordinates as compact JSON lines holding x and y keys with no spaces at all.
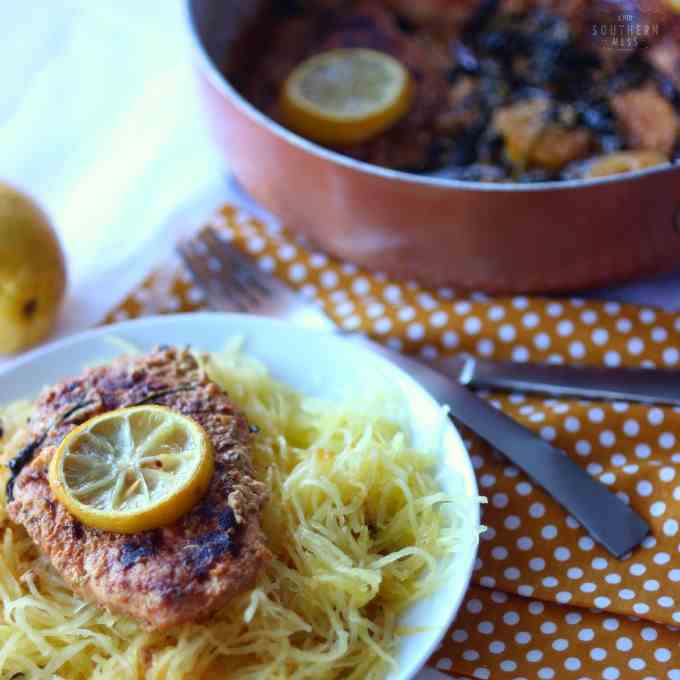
{"x":659,"y":386}
{"x":603,"y":514}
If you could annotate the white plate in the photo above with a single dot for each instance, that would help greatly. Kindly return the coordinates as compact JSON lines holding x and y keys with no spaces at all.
{"x":317,"y":364}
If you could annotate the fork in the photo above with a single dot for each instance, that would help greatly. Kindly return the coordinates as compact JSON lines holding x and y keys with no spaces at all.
{"x":232,"y":281}
{"x":660,"y":386}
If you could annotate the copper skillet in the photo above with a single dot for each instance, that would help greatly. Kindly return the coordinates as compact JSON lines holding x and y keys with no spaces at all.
{"x":494,"y":237}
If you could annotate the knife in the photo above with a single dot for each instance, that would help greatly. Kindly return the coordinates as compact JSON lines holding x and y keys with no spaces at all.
{"x":660,"y":386}
{"x":602,"y":513}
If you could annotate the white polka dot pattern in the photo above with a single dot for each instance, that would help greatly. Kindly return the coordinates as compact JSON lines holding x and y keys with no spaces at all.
{"x":547,"y":602}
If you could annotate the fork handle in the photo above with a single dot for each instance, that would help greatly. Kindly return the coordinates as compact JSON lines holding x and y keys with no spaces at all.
{"x":633,"y":384}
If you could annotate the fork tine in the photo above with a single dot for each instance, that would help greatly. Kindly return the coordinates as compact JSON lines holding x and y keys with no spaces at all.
{"x":197,"y":267}
{"x":248,"y":270}
{"x":231,"y":279}
{"x":217,"y":292}
{"x":242,"y":275}
{"x":253,"y":277}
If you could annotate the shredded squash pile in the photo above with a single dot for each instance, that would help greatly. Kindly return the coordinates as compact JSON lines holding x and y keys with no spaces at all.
{"x":357,"y":525}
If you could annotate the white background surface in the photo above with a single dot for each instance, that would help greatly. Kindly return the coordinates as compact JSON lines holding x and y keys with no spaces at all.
{"x":99,"y":120}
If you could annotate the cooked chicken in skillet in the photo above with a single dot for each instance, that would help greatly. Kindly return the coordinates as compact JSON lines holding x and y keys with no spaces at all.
{"x":505,"y":90}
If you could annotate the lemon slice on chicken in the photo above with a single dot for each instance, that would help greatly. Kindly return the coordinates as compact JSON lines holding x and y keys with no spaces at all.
{"x":345,"y":96}
{"x":132,"y":469}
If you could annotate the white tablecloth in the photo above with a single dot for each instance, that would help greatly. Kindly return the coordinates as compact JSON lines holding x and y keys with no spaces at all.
{"x":99,"y":120}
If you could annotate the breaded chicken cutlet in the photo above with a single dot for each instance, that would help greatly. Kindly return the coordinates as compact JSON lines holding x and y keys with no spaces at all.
{"x":165,"y":576}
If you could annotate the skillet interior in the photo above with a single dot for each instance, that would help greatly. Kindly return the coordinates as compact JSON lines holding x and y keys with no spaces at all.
{"x":232,"y":34}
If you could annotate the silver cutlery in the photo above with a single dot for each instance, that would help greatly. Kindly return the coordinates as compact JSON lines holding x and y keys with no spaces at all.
{"x":233,"y":282}
{"x":659,"y":386}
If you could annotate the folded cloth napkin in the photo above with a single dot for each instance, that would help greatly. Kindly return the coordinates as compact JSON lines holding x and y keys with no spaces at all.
{"x":546,"y":601}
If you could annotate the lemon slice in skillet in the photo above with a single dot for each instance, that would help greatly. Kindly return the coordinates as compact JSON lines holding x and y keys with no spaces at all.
{"x":345,"y":96}
{"x":132,"y":469}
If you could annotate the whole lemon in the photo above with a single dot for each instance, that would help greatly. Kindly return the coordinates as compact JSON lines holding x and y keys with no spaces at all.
{"x":32,"y":272}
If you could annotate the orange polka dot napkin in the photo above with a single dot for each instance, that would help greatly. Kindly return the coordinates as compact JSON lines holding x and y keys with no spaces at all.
{"x":546,"y":601}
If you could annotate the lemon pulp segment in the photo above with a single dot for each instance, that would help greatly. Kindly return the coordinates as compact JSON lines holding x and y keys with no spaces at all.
{"x":345,"y":96}
{"x":625,"y":161}
{"x":132,"y":469}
